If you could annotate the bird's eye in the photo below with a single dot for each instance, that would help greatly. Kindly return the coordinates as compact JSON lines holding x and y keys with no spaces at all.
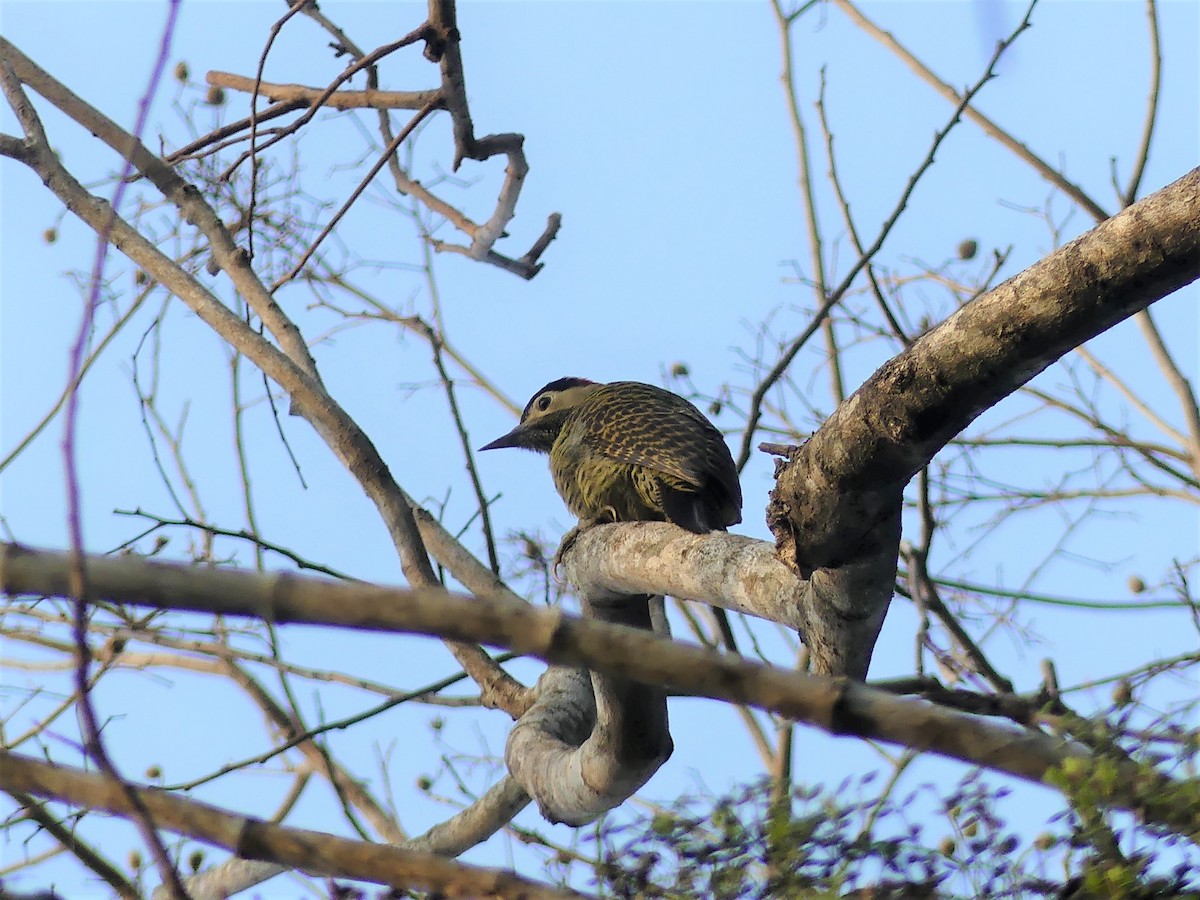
{"x":543,"y":403}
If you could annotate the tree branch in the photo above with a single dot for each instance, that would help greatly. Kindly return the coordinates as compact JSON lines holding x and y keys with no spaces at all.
{"x":342,"y":100}
{"x":591,"y":740}
{"x":837,"y":498}
{"x":292,"y":368}
{"x":836,"y":705}
{"x":250,"y":838}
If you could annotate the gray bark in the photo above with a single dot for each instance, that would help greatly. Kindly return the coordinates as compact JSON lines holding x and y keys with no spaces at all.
{"x":835,"y":509}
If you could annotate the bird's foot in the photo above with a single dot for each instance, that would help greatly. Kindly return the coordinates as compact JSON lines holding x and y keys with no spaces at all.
{"x":567,"y":541}
{"x":606,"y":515}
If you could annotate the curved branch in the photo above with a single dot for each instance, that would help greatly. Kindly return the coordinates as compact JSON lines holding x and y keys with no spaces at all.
{"x":591,"y":740}
{"x":443,"y":19}
{"x":743,"y":575}
{"x":836,"y":491}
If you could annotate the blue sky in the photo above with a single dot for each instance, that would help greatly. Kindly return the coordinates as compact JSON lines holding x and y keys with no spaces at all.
{"x":659,"y":131}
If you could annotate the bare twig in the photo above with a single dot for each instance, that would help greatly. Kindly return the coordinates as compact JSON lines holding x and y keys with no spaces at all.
{"x":302,"y":95}
{"x":71,"y":841}
{"x":754,"y":413}
{"x":36,"y":139}
{"x":924,"y":586}
{"x":1050,"y":174}
{"x":1143,"y":153}
{"x":815,"y":243}
{"x":1184,"y":392}
{"x":851,"y":228}
{"x":387,"y":154}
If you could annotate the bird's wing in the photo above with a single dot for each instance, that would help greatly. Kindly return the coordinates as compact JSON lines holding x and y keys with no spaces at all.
{"x":637,"y":425}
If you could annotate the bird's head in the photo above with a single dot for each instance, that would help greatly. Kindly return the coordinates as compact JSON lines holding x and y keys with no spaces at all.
{"x":545,"y":414}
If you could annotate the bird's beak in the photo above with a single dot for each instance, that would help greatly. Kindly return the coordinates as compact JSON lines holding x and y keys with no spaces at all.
{"x":512,"y":439}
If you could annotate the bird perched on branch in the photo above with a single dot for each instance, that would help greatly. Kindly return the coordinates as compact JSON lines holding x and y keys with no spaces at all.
{"x":631,"y":452}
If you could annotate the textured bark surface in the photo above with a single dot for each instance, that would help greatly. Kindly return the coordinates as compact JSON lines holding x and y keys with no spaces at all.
{"x":737,"y":573}
{"x":835,"y":509}
{"x":543,"y":749}
{"x":592,"y":739}
{"x":743,"y":575}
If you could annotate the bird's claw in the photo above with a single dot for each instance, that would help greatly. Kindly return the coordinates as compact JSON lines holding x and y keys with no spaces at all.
{"x":608,"y":514}
{"x":567,"y":542}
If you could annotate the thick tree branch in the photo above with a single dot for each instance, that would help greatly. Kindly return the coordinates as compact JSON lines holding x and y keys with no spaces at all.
{"x":310,"y":851}
{"x":837,"y":705}
{"x":542,"y":750}
{"x":743,"y":575}
{"x":731,"y":571}
{"x":837,"y":499}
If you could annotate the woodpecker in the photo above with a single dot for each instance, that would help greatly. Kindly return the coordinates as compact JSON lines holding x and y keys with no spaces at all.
{"x":631,"y":452}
